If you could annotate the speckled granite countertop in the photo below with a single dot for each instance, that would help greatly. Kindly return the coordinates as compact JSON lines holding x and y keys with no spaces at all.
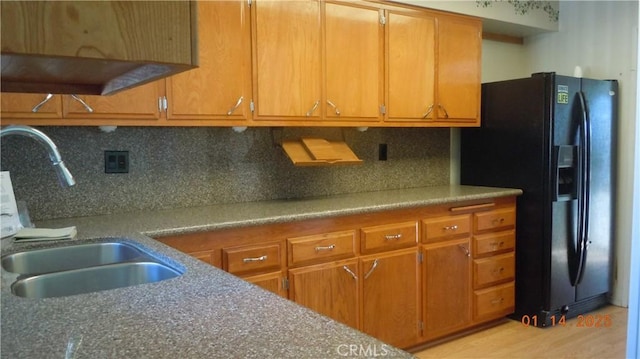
{"x":205,"y":313}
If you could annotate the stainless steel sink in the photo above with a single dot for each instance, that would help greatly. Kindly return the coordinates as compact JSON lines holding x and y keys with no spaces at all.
{"x":70,"y":257}
{"x":92,"y":279}
{"x":84,"y":268}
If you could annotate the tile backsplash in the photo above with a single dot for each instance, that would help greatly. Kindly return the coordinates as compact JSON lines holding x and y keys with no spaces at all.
{"x":184,"y":167}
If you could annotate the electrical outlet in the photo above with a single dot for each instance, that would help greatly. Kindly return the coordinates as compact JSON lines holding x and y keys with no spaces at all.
{"x":382,"y":152}
{"x":116,"y":161}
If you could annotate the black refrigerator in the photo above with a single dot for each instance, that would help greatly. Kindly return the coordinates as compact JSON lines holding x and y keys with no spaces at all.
{"x":553,"y":137}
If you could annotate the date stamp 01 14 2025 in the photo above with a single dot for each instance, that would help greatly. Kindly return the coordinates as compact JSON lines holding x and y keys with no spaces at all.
{"x":582,"y":321}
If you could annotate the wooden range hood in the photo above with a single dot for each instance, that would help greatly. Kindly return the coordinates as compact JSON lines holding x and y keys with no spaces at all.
{"x":94,"y":47}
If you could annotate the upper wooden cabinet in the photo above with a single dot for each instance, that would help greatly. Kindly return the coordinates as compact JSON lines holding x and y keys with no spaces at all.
{"x":135,"y":105}
{"x":17,"y":106}
{"x":286,"y":59}
{"x":410,"y":65}
{"x":354,"y":68}
{"x":324,"y":63}
{"x":458,"y":90}
{"x":219,"y":90}
{"x":433,"y":68}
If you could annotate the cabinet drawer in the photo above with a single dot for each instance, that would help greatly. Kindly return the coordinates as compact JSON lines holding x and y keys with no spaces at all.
{"x":247,"y":259}
{"x":321,"y":247}
{"x":389,"y":236}
{"x":493,"y":243}
{"x":494,"y":302}
{"x":435,"y":229}
{"x":496,"y":219}
{"x":492,"y":270}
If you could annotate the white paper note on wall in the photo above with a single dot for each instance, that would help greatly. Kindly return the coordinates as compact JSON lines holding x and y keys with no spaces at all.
{"x":9,"y":219}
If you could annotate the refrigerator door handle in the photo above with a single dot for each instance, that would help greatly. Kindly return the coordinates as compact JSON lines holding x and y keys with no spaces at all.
{"x":584,"y":196}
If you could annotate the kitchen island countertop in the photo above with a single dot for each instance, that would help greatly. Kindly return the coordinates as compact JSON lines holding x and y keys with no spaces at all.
{"x":205,"y":312}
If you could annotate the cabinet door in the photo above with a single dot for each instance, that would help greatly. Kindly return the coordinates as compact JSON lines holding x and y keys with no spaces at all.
{"x":287,"y":56}
{"x":270,"y":281}
{"x":447,"y":285}
{"x":411,"y":66}
{"x":391,"y":297}
{"x":220,"y":88}
{"x":459,"y":48}
{"x":135,"y":105}
{"x":30,"y":106}
{"x":330,"y":289}
{"x":354,"y":71}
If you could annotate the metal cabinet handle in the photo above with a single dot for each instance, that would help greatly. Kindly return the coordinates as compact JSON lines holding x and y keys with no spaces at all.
{"x":497,"y":221}
{"x":450,"y":228}
{"x":327,"y":248}
{"x":255,"y":259}
{"x":315,"y":106}
{"x":350,"y":272}
{"x":335,"y":108}
{"x":232,"y":109}
{"x":429,"y":110}
{"x":446,"y":114}
{"x":496,"y":244}
{"x":390,"y":237}
{"x":37,"y":107}
{"x":497,"y":301}
{"x":465,"y":250}
{"x":84,"y":104}
{"x":373,"y":266}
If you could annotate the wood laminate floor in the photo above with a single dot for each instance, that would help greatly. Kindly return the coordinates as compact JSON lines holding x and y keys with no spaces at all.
{"x":577,"y":339}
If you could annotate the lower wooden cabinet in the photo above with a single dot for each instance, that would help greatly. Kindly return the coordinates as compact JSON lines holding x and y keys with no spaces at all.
{"x":391,"y":297}
{"x":447,"y":287}
{"x":273,"y":282}
{"x":406,"y":276}
{"x":330,"y":289}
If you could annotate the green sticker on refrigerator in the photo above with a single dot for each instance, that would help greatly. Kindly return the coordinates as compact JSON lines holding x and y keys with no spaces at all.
{"x":563,"y":94}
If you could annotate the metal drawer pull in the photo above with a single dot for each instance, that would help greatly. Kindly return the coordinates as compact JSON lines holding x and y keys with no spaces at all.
{"x":255,"y":259}
{"x":450,"y":228}
{"x":84,"y":104}
{"x":465,"y":250}
{"x":428,"y":111}
{"x":390,"y":237}
{"x":36,"y":108}
{"x":499,"y":270}
{"x":446,"y":115}
{"x":327,"y":248}
{"x":350,"y":272}
{"x":230,"y":112}
{"x":335,"y":108}
{"x":315,"y":106}
{"x":496,"y":244}
{"x":497,"y":301}
{"x":498,"y":221}
{"x":375,"y":264}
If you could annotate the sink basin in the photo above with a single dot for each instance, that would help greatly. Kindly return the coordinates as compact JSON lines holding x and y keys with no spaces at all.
{"x":92,"y":279}
{"x":70,"y":257}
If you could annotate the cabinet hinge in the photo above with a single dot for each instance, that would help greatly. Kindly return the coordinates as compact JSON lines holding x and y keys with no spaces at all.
{"x":383,"y":109}
{"x":383,"y":19}
{"x":285,"y":283}
{"x":251,"y":106}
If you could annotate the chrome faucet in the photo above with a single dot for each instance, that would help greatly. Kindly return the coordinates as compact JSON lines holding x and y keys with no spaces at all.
{"x":64,"y":176}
